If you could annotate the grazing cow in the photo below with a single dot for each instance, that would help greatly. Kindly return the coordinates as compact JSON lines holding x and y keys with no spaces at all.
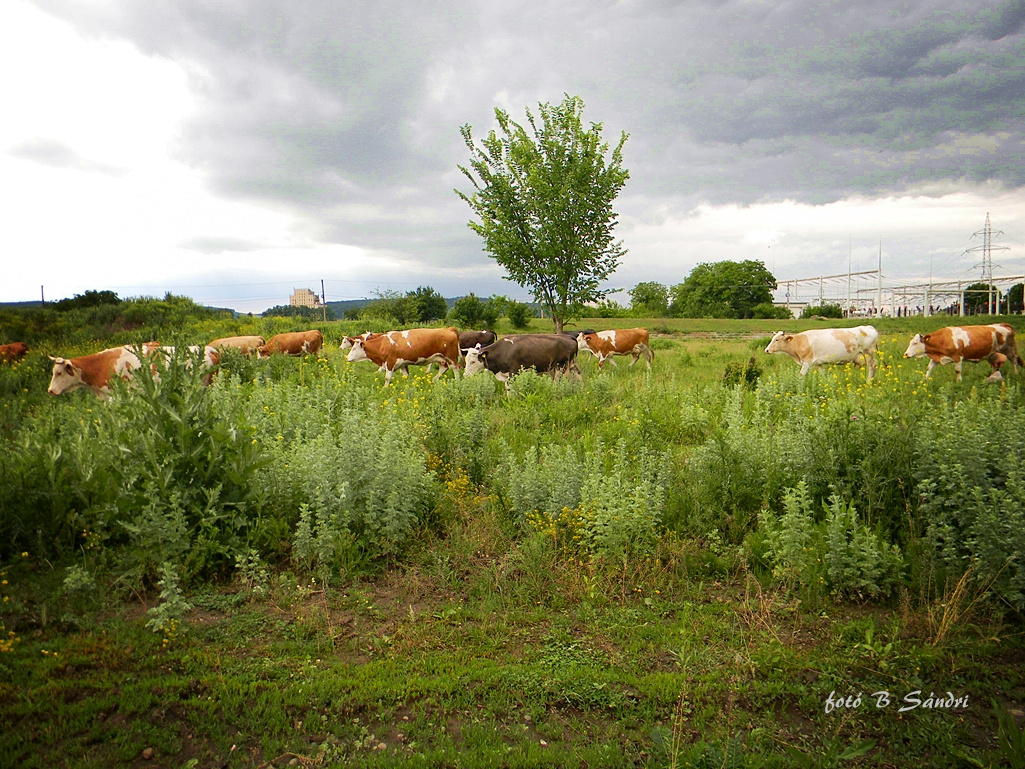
{"x":510,"y":355}
{"x":624,"y":341}
{"x":13,"y":351}
{"x":829,"y":345}
{"x":293,"y":343}
{"x":413,"y":347}
{"x":247,"y":345}
{"x":470,"y":339}
{"x":98,"y":370}
{"x":993,"y":343}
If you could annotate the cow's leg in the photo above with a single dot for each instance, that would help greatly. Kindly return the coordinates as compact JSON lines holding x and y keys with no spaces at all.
{"x":504,"y":378}
{"x":928,"y":370}
{"x":957,"y":368}
{"x":442,"y":368}
{"x":805,"y":368}
{"x":648,"y":355}
{"x":870,"y":364}
{"x":388,"y":373}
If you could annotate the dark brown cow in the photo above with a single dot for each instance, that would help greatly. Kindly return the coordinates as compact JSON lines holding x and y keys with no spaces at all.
{"x":13,"y":351}
{"x":510,"y":355}
{"x":993,"y":343}
{"x":413,"y":347}
{"x":293,"y":343}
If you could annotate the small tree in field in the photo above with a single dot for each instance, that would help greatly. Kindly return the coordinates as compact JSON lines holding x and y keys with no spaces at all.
{"x":544,"y":200}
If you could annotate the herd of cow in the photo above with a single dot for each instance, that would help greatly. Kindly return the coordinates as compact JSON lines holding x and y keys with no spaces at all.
{"x":545,"y":353}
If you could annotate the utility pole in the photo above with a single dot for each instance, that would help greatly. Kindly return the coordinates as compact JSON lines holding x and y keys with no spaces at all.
{"x":323,"y":301}
{"x":879,"y":289}
{"x":987,"y":259}
{"x":42,"y":296}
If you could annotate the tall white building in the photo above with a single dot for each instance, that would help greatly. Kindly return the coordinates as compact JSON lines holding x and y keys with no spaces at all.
{"x":303,"y":297}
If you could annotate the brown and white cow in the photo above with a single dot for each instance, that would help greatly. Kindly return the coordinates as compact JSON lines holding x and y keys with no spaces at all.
{"x":293,"y":343}
{"x":96,"y":371}
{"x":13,"y":351}
{"x":247,"y":345}
{"x":993,"y":343}
{"x":829,"y":345}
{"x":413,"y":347}
{"x":622,"y":341}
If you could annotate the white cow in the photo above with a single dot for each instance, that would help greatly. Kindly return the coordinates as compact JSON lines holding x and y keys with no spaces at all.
{"x":829,"y":345}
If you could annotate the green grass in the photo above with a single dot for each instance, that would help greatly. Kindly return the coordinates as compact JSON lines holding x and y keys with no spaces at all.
{"x":485,"y":641}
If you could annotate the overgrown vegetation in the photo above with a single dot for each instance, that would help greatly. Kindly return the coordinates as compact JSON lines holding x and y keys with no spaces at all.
{"x":635,"y":569}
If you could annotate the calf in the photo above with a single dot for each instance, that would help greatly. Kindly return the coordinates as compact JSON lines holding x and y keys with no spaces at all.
{"x":829,"y":345}
{"x":993,"y":343}
{"x":413,"y":347}
{"x":13,"y":352}
{"x":628,"y":341}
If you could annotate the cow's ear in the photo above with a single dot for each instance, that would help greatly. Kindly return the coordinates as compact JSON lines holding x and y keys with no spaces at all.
{"x":483,"y":355}
{"x":68,"y":368}
{"x":788,"y":337}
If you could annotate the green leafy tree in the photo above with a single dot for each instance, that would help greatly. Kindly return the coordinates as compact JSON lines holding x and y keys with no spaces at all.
{"x":1014,"y":298}
{"x":519,"y":314}
{"x":471,"y":312}
{"x":977,"y":298}
{"x":823,"y":311}
{"x":88,"y":299}
{"x":392,"y":306}
{"x":723,"y":290}
{"x":543,"y":195}
{"x":429,"y":304}
{"x":649,"y":299}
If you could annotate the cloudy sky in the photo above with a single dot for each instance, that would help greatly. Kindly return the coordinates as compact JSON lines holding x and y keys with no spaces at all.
{"x":233,"y":151}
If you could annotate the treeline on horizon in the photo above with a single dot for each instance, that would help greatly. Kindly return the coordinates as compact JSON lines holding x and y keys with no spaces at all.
{"x":728,"y":290}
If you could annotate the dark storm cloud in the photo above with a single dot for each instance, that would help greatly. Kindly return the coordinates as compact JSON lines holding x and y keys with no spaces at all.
{"x":350,"y":113}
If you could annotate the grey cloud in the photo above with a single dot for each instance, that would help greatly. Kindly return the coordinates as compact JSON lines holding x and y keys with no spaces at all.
{"x":342,"y":111}
{"x":219,"y":245}
{"x":50,"y":152}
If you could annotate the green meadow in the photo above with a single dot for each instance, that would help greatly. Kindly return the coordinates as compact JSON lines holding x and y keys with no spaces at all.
{"x":716,"y":563}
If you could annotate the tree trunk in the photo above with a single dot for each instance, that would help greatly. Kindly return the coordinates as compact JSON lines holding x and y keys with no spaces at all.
{"x":558,"y":323}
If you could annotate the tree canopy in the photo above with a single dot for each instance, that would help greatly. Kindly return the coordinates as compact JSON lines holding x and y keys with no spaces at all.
{"x":723,"y":290}
{"x":649,"y":299}
{"x":544,"y":198}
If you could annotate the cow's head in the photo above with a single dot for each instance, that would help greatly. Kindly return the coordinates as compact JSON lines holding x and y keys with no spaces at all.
{"x":357,"y":352}
{"x":916,"y":347}
{"x":582,"y":341}
{"x":66,"y":376}
{"x":475,"y":358}
{"x":779,"y":342}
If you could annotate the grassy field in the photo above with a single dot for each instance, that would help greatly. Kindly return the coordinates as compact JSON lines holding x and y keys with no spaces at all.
{"x":613,"y":572}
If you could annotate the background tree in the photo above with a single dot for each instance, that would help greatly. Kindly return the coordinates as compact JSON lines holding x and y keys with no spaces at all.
{"x":649,"y":299}
{"x":723,"y":290}
{"x":471,"y":313}
{"x":1014,"y":298}
{"x":519,"y":314}
{"x":544,"y":201}
{"x":823,"y":311}
{"x":977,"y":298}
{"x":429,"y":304}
